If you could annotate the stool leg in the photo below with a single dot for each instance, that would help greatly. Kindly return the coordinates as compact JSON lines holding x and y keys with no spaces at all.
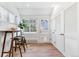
{"x":25,"y":42}
{"x":24,"y":47}
{"x":3,"y":44}
{"x":20,"y":50}
{"x":15,"y":46}
{"x":10,"y":53}
{"x":11,"y":47}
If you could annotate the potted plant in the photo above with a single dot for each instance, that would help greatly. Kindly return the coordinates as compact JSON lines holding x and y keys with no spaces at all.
{"x":22,"y":24}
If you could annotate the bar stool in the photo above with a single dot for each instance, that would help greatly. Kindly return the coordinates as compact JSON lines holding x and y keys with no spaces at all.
{"x":23,"y":38}
{"x":20,"y":42}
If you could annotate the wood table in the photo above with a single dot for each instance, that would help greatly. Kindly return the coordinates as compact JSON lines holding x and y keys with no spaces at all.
{"x":4,"y":41}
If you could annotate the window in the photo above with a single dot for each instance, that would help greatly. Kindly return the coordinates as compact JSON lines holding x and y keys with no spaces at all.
{"x":44,"y":25}
{"x":30,"y":26}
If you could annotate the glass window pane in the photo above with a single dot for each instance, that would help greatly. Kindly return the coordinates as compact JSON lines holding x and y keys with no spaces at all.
{"x":44,"y":24}
{"x":30,"y":26}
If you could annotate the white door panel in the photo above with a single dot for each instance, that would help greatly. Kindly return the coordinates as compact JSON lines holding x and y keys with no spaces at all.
{"x":60,"y":42}
{"x":53,"y":38}
{"x":72,"y":48}
{"x":71,"y":41}
{"x":67,"y":47}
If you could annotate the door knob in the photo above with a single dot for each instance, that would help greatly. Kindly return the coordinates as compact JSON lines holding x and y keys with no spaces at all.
{"x":61,"y":34}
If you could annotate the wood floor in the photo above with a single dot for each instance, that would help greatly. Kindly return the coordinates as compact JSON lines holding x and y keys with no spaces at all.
{"x":39,"y":50}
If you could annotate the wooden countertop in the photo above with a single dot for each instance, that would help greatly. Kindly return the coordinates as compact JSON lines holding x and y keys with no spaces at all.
{"x":7,"y":29}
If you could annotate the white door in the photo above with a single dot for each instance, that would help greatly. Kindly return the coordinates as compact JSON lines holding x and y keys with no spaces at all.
{"x":60,"y":41}
{"x":71,"y":34}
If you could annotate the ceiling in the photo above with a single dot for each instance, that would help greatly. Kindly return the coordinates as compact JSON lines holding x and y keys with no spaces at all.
{"x":32,"y":8}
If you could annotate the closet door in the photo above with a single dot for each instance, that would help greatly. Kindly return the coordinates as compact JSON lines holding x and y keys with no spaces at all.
{"x":60,"y":41}
{"x":71,"y":40}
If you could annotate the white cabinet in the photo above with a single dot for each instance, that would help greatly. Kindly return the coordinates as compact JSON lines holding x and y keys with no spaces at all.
{"x":58,"y":35}
{"x":70,"y":16}
{"x":53,"y":37}
{"x":71,"y":34}
{"x":60,"y":43}
{"x":72,"y":45}
{"x":67,"y":23}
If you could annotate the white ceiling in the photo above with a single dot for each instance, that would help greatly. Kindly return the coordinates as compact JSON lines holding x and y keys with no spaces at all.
{"x":32,"y":8}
